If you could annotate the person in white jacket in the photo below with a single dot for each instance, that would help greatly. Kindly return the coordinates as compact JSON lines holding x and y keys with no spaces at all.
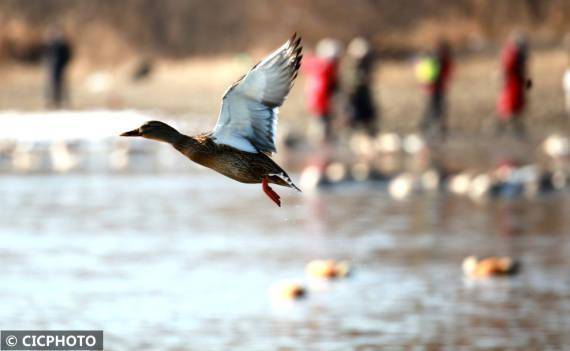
{"x":566,"y":86}
{"x":566,"y":76}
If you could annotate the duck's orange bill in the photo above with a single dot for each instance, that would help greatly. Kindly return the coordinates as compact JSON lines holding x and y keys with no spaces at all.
{"x":132,"y":133}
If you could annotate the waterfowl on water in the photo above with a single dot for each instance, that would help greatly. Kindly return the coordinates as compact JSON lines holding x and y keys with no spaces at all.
{"x":243,"y":139}
{"x":288,"y":290}
{"x":490,"y":267}
{"x":327,"y":269}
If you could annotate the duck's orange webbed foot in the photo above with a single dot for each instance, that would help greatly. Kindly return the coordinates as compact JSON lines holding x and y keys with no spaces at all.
{"x":270,"y":192}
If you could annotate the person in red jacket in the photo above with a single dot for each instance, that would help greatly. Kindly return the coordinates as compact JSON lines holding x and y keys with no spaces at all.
{"x":322,"y":76}
{"x":436,"y":73}
{"x":512,"y":100}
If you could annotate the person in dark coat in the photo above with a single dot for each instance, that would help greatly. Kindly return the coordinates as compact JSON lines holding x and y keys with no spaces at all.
{"x":357,"y":81}
{"x":437,"y":72}
{"x":58,"y":55}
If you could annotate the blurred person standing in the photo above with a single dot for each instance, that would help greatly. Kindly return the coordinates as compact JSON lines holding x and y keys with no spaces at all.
{"x":58,"y":55}
{"x":566,"y":76}
{"x":434,"y":72}
{"x":357,"y":80}
{"x":322,"y":83}
{"x":566,"y":87}
{"x":512,"y":99}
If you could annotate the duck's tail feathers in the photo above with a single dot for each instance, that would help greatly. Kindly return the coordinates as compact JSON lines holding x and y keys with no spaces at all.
{"x":287,"y":180}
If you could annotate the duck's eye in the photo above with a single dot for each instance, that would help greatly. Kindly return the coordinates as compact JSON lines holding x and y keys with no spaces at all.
{"x":151,"y":130}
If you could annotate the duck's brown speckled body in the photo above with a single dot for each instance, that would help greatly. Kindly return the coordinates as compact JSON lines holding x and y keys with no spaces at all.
{"x":245,"y":167}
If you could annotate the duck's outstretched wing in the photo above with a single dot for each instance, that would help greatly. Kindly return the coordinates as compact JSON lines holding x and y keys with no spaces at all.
{"x":248,"y":119}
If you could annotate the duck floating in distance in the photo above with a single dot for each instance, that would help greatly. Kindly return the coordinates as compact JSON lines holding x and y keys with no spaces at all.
{"x":243,"y":139}
{"x":475,"y":267}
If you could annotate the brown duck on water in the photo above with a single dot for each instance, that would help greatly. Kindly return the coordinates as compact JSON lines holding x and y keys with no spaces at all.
{"x":244,"y":136}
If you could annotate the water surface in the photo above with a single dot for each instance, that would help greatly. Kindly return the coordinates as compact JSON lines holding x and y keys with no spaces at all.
{"x":184,"y":262}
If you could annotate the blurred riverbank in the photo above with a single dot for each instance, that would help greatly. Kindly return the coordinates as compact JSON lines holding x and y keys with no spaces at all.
{"x":192,"y":90}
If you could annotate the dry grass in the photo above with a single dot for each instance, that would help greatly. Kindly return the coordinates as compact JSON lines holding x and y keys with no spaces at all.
{"x":108,"y":31}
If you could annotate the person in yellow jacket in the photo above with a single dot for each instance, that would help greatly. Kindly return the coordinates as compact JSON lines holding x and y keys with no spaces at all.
{"x":434,"y":72}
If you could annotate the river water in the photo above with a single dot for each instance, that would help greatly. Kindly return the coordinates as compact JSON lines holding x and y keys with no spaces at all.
{"x":184,"y":262}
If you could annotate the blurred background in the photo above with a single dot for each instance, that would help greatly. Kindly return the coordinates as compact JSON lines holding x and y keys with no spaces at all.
{"x":422,"y":133}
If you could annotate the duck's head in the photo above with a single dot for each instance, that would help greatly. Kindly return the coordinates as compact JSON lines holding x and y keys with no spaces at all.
{"x":154,"y":130}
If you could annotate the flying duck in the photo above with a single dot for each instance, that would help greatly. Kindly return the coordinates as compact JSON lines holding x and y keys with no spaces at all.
{"x":241,"y":143}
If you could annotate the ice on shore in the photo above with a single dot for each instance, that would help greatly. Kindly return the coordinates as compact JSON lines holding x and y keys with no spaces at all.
{"x":62,"y":141}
